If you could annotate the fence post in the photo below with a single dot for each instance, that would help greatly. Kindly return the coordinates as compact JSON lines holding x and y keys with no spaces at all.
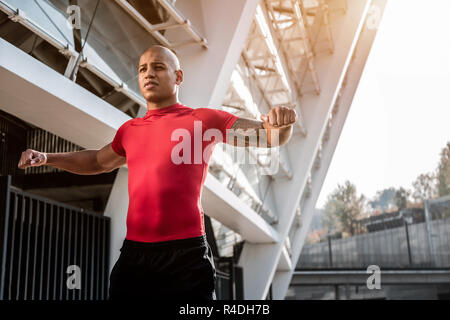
{"x":330,"y":254}
{"x":408,"y":244}
{"x":232,"y":279}
{"x":5,"y":184}
{"x":429,"y":232}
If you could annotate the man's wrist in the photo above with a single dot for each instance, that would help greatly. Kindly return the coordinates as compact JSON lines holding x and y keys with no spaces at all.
{"x":47,"y":157}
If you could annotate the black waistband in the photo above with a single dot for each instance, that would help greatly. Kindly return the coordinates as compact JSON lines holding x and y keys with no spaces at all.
{"x":165,"y":245}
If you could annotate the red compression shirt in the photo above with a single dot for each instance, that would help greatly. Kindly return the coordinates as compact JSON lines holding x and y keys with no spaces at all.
{"x":165,"y":192}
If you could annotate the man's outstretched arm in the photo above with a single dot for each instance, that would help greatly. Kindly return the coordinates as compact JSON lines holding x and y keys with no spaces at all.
{"x":278,"y":122}
{"x":84,"y":162}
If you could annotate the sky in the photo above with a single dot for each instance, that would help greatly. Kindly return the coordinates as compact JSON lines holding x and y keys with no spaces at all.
{"x":400,"y":116}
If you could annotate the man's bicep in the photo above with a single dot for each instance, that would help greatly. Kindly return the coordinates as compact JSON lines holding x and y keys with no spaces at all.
{"x":246,"y":133}
{"x":108,"y":159}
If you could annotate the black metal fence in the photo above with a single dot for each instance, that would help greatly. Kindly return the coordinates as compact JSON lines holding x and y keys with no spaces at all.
{"x":408,"y":246}
{"x":13,"y":140}
{"x":229,"y":280}
{"x":16,"y":136}
{"x":44,"y":141}
{"x":41,"y":239}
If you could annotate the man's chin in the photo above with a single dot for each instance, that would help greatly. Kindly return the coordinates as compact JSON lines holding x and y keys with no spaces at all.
{"x":154,"y":98}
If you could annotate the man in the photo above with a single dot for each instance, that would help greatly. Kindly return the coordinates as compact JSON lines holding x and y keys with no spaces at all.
{"x":165,"y":253}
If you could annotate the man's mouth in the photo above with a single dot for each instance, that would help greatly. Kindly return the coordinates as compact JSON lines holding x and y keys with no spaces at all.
{"x":150,"y":84}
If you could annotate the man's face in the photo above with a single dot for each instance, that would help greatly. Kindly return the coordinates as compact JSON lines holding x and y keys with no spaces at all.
{"x":158,"y":77}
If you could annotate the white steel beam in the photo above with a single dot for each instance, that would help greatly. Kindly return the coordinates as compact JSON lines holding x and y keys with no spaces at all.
{"x":223,"y":205}
{"x":207,"y":73}
{"x":259,"y":262}
{"x":281,"y":280}
{"x":285,"y":263}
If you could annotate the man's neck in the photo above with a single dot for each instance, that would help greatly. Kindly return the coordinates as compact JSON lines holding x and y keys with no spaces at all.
{"x":161,"y":104}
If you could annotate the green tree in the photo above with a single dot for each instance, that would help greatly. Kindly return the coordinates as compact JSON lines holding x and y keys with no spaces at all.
{"x":443,"y":172}
{"x":342,"y":208}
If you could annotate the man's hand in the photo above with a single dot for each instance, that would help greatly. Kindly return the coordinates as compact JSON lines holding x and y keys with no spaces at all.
{"x":279,"y":122}
{"x":32,"y":158}
{"x":279,"y":117}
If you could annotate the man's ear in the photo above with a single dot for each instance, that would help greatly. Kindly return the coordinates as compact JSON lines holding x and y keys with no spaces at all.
{"x":179,"y":76}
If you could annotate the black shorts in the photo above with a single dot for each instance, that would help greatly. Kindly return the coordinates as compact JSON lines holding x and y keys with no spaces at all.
{"x":177,"y":269}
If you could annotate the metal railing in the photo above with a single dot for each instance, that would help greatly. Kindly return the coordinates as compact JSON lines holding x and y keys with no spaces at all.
{"x":404,"y":247}
{"x":40,"y":239}
{"x":16,"y":136}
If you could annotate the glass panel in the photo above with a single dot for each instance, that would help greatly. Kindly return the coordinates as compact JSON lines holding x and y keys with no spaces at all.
{"x":48,"y":17}
{"x":115,"y":41}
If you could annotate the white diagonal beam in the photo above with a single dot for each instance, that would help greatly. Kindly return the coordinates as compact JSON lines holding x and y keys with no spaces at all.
{"x":366,"y":38}
{"x":259,"y":262}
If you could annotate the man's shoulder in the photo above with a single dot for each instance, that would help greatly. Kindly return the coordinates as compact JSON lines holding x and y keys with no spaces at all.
{"x":130,"y":121}
{"x":205,"y":111}
{"x":127,"y":123}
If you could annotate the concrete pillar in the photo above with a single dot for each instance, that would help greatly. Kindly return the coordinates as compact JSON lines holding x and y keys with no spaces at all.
{"x":117,"y":209}
{"x":207,"y":72}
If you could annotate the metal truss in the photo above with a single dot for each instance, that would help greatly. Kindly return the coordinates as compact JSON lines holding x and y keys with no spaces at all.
{"x":263,"y":67}
{"x":178,"y":21}
{"x":261,"y":55}
{"x":297,"y":25}
{"x":233,"y":99}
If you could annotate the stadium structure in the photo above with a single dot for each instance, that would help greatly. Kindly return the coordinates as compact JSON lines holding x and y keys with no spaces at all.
{"x":68,"y":80}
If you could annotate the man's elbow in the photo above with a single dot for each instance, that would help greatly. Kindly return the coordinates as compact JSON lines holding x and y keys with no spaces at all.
{"x":99,"y":169}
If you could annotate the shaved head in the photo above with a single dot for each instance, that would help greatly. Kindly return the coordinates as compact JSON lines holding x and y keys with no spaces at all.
{"x":160,"y":75}
{"x":166,"y":54}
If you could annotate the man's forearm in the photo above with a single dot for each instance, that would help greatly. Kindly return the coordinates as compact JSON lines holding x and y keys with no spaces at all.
{"x":81,"y":162}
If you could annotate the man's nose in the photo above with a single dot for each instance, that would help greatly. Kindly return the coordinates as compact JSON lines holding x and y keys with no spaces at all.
{"x":150,"y":73}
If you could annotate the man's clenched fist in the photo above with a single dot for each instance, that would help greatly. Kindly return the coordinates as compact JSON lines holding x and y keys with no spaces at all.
{"x":32,"y":158}
{"x":279,"y":117}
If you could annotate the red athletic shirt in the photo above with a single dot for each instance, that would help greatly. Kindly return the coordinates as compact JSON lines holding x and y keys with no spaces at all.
{"x":165,"y":192}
